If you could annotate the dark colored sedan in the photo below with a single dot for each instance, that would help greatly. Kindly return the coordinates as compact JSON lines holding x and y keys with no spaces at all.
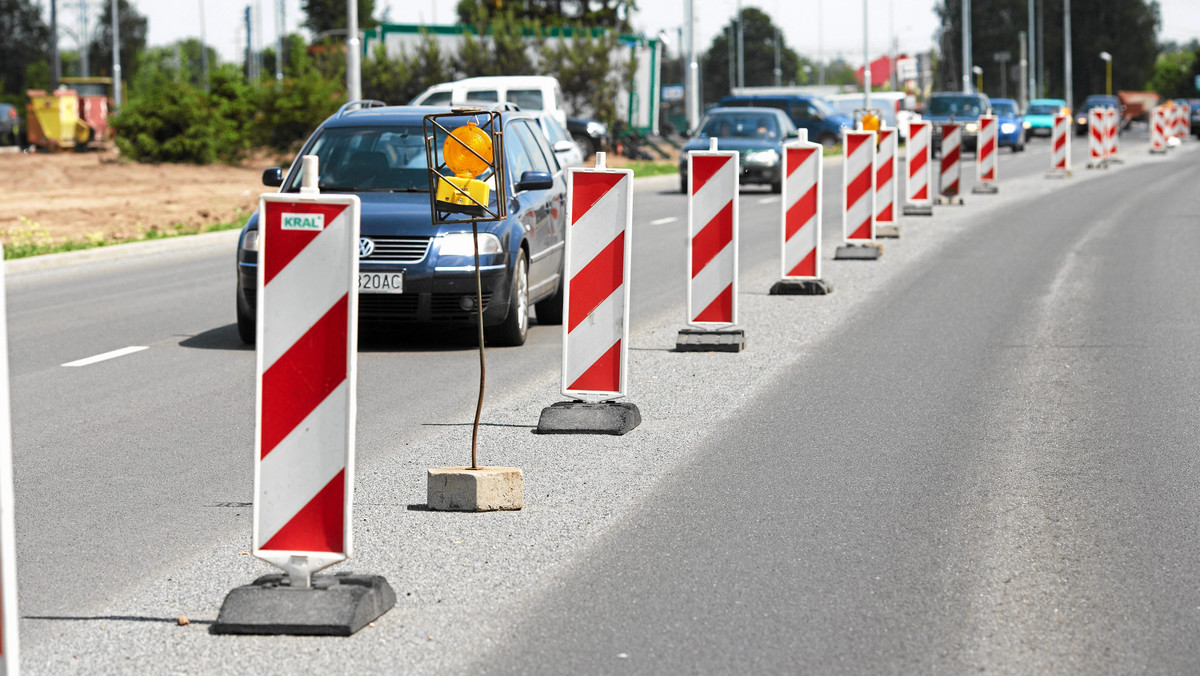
{"x":411,"y":271}
{"x":757,"y":134}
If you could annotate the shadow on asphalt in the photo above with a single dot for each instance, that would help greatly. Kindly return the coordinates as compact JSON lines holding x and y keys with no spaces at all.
{"x":220,"y":338}
{"x":371,"y":338}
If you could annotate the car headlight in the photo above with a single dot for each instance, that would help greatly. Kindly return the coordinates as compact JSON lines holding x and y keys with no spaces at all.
{"x":597,"y":128}
{"x":1008,"y":128}
{"x":770,"y":156}
{"x":250,"y":240}
{"x":1082,"y":120}
{"x":972,"y":127}
{"x":1026,"y":124}
{"x":461,"y":244}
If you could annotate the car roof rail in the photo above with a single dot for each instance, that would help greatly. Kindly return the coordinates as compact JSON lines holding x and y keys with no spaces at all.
{"x":354,"y":105}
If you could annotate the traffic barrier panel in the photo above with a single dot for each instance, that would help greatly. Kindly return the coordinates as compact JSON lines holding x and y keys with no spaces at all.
{"x":1060,"y":147}
{"x":986,"y":156}
{"x":951,"y":164}
{"x":712,"y":303}
{"x":10,"y":649}
{"x":1158,"y":130}
{"x":1097,"y":138}
{"x":595,"y":333}
{"x":307,"y":333}
{"x":885,"y":183}
{"x":1113,"y":139}
{"x":800,"y":231}
{"x":1185,"y":121}
{"x":918,"y":199}
{"x":858,"y":197}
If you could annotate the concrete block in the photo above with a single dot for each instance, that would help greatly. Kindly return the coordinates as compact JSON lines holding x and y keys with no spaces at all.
{"x":887,"y":231}
{"x":951,"y":201}
{"x":486,"y":489}
{"x":801,"y":287}
{"x":985,"y":189}
{"x":710,"y":340}
{"x":917,"y":210}
{"x":584,"y":417}
{"x":859,"y":252}
{"x":335,"y":605}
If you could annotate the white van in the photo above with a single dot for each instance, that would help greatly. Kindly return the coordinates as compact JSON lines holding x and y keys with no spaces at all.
{"x":529,"y":92}
{"x":895,"y":107}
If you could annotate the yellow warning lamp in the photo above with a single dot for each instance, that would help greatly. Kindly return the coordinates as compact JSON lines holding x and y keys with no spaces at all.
{"x":463,"y":193}
{"x":870,"y":122}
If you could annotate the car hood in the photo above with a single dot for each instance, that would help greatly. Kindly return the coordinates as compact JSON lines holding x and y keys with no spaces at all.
{"x":946,"y":118}
{"x":398,"y":214}
{"x":742,"y":145}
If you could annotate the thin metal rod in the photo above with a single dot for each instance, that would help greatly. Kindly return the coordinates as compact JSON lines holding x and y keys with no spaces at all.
{"x":482,"y":361}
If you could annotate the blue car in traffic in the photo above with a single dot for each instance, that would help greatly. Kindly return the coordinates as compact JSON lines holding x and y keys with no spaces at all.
{"x":820,"y":119}
{"x":758,"y":134}
{"x":1040,"y":115}
{"x":412,"y":272}
{"x":1012,"y":124}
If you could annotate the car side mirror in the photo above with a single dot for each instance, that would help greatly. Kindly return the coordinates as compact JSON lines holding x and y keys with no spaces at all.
{"x":563,"y":146}
{"x":535,"y":180}
{"x":273,"y":177}
{"x":795,"y":133}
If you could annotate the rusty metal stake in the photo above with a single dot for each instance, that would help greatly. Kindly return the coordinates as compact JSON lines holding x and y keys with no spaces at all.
{"x":482,"y":361}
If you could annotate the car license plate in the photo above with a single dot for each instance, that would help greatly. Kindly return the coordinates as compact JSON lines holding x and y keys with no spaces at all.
{"x":381,"y":282}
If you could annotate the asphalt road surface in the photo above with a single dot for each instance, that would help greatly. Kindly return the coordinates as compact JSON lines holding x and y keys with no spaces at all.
{"x":978,"y":453}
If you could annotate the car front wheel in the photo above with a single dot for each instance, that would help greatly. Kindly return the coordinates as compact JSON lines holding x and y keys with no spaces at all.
{"x":245,"y":321}
{"x":550,"y":311}
{"x":516,"y":325}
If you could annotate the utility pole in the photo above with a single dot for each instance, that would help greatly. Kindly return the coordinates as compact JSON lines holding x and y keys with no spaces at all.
{"x":778,"y":68}
{"x":116,"y":69}
{"x":820,"y":46}
{"x":1041,"y":52}
{"x":732,"y":59}
{"x":56,"y":73}
{"x":279,"y":40}
{"x":741,"y":47}
{"x":866,"y":62}
{"x":892,"y":44}
{"x":203,"y":49}
{"x":693,"y":69}
{"x":1067,"y":83}
{"x":353,"y":74}
{"x":966,"y":46}
{"x":251,"y":75}
{"x":1022,"y":92}
{"x":1031,"y":63}
{"x":84,"y":66}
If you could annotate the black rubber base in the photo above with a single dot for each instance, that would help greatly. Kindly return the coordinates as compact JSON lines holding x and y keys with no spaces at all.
{"x":857,"y":252}
{"x":710,"y":340}
{"x":801,"y":287}
{"x":917,"y":210}
{"x":887,"y":231}
{"x":336,"y":605}
{"x":985,"y":189}
{"x":951,"y":201}
{"x":581,"y":417}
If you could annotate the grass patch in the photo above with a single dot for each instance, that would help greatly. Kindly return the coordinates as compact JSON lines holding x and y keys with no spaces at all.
{"x":31,"y":239}
{"x":643,"y":168}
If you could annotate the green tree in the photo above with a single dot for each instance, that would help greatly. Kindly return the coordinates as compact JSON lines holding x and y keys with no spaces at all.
{"x":1175,"y":71}
{"x":499,"y":45}
{"x":386,"y":79}
{"x":758,"y":45}
{"x":589,"y":71}
{"x":330,"y":15}
{"x":182,"y":60}
{"x":133,"y":27}
{"x":24,"y":40}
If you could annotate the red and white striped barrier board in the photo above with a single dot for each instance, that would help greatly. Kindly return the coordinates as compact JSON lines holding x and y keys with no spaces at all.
{"x":985,"y":154}
{"x":1185,"y":121}
{"x":919,"y":164}
{"x":1060,"y":144}
{"x":951,"y":159}
{"x":712,"y":237}
{"x":885,"y":177}
{"x":1112,"y":122}
{"x":596,"y":296}
{"x":858,"y":186}
{"x":1158,"y":130}
{"x":307,"y":357}
{"x":9,"y":643}
{"x":801,"y":205}
{"x":1097,"y":136}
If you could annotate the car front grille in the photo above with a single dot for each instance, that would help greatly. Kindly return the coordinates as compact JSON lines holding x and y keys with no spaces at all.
{"x":445,"y":306}
{"x":389,"y":249}
{"x":406,"y":307}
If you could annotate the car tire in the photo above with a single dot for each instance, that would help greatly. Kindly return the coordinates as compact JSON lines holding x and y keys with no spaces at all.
{"x":515,"y":328}
{"x":550,"y":310}
{"x":245,"y":322}
{"x":777,"y":187}
{"x":828,"y":140}
{"x":683,"y":183}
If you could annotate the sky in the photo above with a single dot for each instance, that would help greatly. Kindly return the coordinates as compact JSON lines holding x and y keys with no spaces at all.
{"x":914,"y":21}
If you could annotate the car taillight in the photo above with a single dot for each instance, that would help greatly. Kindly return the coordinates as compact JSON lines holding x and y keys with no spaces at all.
{"x":12,"y":112}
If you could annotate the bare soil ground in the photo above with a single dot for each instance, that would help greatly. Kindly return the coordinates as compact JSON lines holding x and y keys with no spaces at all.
{"x":80,"y":195}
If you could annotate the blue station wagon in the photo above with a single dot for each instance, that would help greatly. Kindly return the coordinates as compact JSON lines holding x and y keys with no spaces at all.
{"x":411,"y":271}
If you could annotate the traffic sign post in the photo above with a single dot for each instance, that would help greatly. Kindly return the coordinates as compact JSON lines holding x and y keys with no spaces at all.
{"x":596,"y":266}
{"x":918,"y":201}
{"x":950,"y":176}
{"x":712,"y":290}
{"x":985,"y":156}
{"x":800,"y":220}
{"x":858,"y":198}
{"x":307,"y":331}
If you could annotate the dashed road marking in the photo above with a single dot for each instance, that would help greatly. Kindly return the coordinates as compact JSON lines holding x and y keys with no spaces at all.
{"x":107,"y":355}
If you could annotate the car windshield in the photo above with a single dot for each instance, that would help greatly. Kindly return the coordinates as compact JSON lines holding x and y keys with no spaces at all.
{"x":954,"y":105}
{"x":824,"y":106}
{"x":1043,"y":109}
{"x":741,"y":125}
{"x":1002,"y":108}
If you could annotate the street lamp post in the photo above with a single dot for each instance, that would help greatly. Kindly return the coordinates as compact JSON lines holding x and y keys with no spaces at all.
{"x":978,"y":78}
{"x":353,"y":72}
{"x":1107,"y":58}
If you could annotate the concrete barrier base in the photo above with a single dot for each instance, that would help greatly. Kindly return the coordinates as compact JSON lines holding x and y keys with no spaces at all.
{"x":954,"y":200}
{"x":484,"y":489}
{"x":584,"y":417}
{"x":918,"y":210}
{"x":801,"y":287}
{"x":985,"y":189}
{"x":859,"y":252}
{"x":335,"y":605}
{"x":710,"y":340}
{"x":887,"y":231}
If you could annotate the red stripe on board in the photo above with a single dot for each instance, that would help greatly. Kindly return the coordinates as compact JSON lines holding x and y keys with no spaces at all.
{"x":989,"y":175}
{"x":1097,"y":133}
{"x":863,"y":231}
{"x":319,"y":526}
{"x":604,"y":375}
{"x":951,"y":189}
{"x":587,"y":188}
{"x":280,"y":246}
{"x":858,"y":187}
{"x":853,"y":142}
{"x":922,"y":193}
{"x":797,"y":157}
{"x":883,"y":174}
{"x":703,"y":168}
{"x":596,"y":281}
{"x":987,"y":149}
{"x":885,"y":214}
{"x":304,"y":376}
{"x":800,"y":212}
{"x":1059,"y":141}
{"x":807,"y":267}
{"x":720,"y":310}
{"x":712,"y":239}
{"x":918,"y":163}
{"x":951,"y":158}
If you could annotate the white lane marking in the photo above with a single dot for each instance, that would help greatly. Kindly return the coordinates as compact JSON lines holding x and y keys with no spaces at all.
{"x":767,"y":200}
{"x":108,"y":355}
{"x":664,"y":221}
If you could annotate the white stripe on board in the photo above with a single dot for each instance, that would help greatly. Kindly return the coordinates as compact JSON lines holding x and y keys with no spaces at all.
{"x":108,"y":355}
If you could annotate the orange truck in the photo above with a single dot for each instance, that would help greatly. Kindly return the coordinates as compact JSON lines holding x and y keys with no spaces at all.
{"x":73,"y":116}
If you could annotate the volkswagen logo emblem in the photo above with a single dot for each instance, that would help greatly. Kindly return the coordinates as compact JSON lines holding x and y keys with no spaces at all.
{"x":366,"y":247}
